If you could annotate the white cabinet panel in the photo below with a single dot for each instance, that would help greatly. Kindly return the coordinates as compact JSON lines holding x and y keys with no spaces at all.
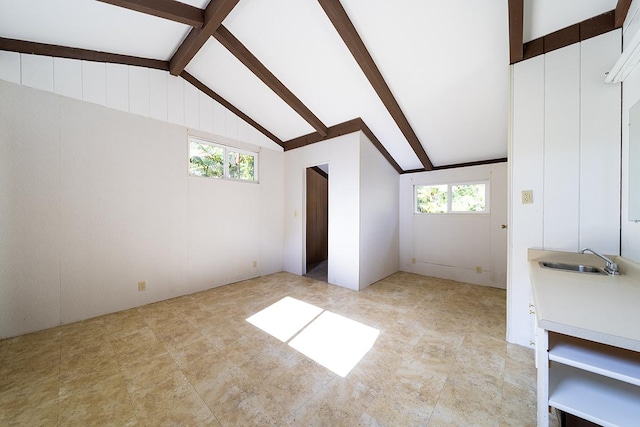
{"x":67,"y":77}
{"x":10,"y":66}
{"x":600,"y":146}
{"x":158,"y":94}
{"x":562,"y":149}
{"x":118,"y":87}
{"x":139,"y":91}
{"x":94,"y":82}
{"x":37,"y":72}
{"x":526,"y":160}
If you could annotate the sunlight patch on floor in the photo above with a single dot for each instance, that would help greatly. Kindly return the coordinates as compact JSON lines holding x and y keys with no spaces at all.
{"x":285,"y":318}
{"x":336,"y":342}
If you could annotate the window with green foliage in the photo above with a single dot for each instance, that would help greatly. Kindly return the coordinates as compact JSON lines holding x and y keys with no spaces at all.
{"x":452,"y":198}
{"x":212,"y":160}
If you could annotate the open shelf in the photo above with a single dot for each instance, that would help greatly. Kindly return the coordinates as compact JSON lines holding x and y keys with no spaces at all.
{"x":593,"y":397}
{"x":612,"y":362}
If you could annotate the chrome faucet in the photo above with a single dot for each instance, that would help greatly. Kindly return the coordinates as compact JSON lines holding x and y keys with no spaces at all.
{"x":610,"y":266}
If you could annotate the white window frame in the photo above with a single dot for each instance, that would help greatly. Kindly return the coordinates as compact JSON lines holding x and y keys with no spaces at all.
{"x":487,"y":198}
{"x":225,"y":156}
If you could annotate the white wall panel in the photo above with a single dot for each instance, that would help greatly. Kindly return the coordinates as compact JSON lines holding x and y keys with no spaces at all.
{"x":79,"y":241}
{"x":451,"y":246}
{"x":219,"y":119}
{"x":231,"y":125}
{"x":243,"y":131}
{"x":10,"y":66}
{"x":175,"y":100}
{"x":29,"y":211}
{"x":94,"y":82}
{"x":139,"y":91}
{"x":67,"y":77}
{"x":562,"y":149}
{"x":600,"y":146}
{"x":379,"y":216}
{"x":526,"y":160}
{"x":191,"y":106}
{"x":118,"y":87}
{"x":37,"y":71}
{"x":206,"y":113}
{"x":342,"y":155}
{"x":158,"y":94}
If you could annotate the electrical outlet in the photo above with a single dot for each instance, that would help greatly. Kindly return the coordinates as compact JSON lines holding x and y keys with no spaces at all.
{"x":413,"y":260}
{"x":255,"y":264}
{"x":478,"y":269}
{"x":142,"y":286}
{"x":527,"y":197}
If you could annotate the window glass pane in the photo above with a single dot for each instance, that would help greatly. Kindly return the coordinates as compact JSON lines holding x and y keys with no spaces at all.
{"x":468,"y":198}
{"x":241,"y":166}
{"x":206,"y":160}
{"x":431,"y":198}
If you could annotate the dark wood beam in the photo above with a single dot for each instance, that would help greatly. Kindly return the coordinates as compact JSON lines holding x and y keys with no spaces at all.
{"x":340,"y":20}
{"x":226,"y":104}
{"x":214,"y":14}
{"x":581,"y":31}
{"x":33,"y":48}
{"x":243,"y":54}
{"x":332,"y":132}
{"x":516,"y":28}
{"x":597,"y":25}
{"x":319,"y":171}
{"x":461,"y":165}
{"x":622,"y":8}
{"x":344,"y":128}
{"x":167,"y":9}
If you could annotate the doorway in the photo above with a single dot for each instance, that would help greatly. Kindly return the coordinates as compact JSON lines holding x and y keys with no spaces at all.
{"x":317,"y":222}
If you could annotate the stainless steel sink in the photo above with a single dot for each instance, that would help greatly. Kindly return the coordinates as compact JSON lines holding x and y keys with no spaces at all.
{"x":577,"y":268}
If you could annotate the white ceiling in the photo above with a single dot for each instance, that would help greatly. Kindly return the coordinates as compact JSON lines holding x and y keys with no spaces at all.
{"x":446,"y":62}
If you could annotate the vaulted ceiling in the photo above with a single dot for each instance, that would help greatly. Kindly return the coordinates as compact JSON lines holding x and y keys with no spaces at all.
{"x":427,"y":81}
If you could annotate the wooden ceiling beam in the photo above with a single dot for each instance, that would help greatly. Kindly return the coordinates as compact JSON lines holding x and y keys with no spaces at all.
{"x":226,"y":104}
{"x":340,"y":129}
{"x":233,"y":45}
{"x":516,"y":30}
{"x":214,"y":14}
{"x":340,"y":20}
{"x":167,"y":9}
{"x":43,"y":49}
{"x":622,"y":8}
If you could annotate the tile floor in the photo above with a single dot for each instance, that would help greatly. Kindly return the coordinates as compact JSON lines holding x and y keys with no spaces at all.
{"x":440,"y":359}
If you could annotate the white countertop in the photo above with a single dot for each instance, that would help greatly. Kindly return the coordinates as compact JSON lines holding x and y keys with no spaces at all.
{"x":599,"y":308}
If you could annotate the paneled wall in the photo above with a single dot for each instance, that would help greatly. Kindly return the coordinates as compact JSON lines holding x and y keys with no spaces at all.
{"x":149,"y":93}
{"x":565,"y":147}
{"x":317,"y":216}
{"x":452,"y":246}
{"x":95,"y":200}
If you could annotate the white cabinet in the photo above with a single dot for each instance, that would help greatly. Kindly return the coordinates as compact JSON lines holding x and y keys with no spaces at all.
{"x":593,"y":381}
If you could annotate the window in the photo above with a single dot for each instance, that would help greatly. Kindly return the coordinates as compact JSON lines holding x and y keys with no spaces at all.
{"x":452,"y":198}
{"x":211,"y":160}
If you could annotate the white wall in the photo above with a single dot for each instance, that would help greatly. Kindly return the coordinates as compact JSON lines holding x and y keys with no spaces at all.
{"x":451,"y":246}
{"x":630,"y":247}
{"x":95,"y":200}
{"x":141,"y":91}
{"x":565,"y":146}
{"x":379,"y":226}
{"x":342,"y":154}
{"x":363,"y":210}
